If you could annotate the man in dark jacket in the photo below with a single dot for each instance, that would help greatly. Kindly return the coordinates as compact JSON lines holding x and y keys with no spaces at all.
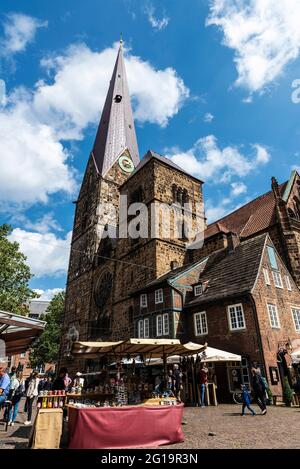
{"x":259,"y":390}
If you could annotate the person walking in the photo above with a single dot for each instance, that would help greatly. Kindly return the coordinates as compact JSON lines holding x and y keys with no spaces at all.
{"x":4,"y":385}
{"x":246,"y":400}
{"x":203,"y":382}
{"x":17,"y":387}
{"x":31,"y":393}
{"x":259,"y":390}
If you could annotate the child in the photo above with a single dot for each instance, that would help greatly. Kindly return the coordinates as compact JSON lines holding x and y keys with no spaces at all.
{"x":246,"y":400}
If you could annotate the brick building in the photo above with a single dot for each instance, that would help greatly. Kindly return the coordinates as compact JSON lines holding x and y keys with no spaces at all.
{"x":144,"y":285}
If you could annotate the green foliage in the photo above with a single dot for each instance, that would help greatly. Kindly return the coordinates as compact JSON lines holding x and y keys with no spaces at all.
{"x":14,"y":276}
{"x":287,"y":392}
{"x":47,"y":347}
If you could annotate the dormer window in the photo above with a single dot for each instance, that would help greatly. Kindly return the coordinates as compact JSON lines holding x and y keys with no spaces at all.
{"x":198,"y":290}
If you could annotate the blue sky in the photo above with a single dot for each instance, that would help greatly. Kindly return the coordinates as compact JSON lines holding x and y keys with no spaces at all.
{"x":211,"y":84}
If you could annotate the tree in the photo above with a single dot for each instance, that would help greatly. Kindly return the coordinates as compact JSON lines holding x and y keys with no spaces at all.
{"x":14,"y":275}
{"x":287,"y":392}
{"x":47,"y":347}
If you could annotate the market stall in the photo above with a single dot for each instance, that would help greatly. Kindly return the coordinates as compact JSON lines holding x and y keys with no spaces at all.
{"x":124,"y":397}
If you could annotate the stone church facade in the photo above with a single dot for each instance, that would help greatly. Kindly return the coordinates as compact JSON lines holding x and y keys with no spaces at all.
{"x":108,"y":273}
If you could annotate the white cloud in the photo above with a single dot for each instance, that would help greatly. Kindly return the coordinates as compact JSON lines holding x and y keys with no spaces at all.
{"x":264,"y":35}
{"x":157,"y":94}
{"x":209,"y":162}
{"x":19,"y":30}
{"x":47,"y":295}
{"x":34,"y":163}
{"x":157,"y":24}
{"x":44,"y":224}
{"x":238,"y":188}
{"x":208,"y":117}
{"x":226,"y":205}
{"x":47,"y":255}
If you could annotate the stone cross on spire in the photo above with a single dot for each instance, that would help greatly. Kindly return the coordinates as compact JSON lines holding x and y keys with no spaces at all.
{"x":116,"y":131}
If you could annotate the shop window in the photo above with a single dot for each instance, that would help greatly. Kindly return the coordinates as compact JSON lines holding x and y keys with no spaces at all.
{"x":296,"y":318}
{"x":236,"y":317}
{"x":143,"y":300}
{"x":266,"y":276}
{"x":288,"y":283}
{"x":159,"y":325}
{"x":198,"y":290}
{"x":277,"y":279}
{"x":273,"y":316}
{"x":200,"y":323}
{"x":166,"y":327}
{"x":272,"y":257}
{"x":159,"y":297}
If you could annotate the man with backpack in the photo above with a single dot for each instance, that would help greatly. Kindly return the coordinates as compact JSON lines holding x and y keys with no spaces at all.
{"x":259,"y":390}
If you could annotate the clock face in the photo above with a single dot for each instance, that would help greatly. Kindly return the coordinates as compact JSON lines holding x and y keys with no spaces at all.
{"x":126,"y":164}
{"x":103,"y":289}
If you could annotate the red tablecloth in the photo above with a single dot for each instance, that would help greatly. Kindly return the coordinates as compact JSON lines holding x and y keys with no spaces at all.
{"x":124,"y":427}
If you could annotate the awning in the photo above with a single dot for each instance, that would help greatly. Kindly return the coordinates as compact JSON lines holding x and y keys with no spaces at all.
{"x":151,"y":348}
{"x":18,"y":332}
{"x":209,"y":355}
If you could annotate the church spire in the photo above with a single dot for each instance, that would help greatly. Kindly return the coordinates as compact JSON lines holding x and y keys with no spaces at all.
{"x":116,"y":132}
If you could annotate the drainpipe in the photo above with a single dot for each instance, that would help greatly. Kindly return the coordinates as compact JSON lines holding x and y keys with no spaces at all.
{"x":262,"y":358}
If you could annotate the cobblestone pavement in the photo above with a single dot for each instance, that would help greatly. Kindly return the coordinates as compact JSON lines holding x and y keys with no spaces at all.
{"x":280,"y":428}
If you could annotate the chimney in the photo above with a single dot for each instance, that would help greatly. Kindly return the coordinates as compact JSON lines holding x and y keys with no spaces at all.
{"x":233,"y":241}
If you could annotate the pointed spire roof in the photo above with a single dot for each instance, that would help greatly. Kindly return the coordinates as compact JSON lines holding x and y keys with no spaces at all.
{"x":116,"y":131}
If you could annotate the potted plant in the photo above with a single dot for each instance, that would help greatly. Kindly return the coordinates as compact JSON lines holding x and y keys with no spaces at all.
{"x":287,"y":392}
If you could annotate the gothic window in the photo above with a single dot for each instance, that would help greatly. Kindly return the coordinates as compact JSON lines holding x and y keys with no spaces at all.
{"x":185,"y":197}
{"x":102,"y":289}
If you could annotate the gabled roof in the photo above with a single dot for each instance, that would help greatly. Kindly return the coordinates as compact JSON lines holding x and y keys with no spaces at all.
{"x":166,"y":161}
{"x":116,"y":131}
{"x":171,"y":275}
{"x":249,"y":219}
{"x":233,"y":274}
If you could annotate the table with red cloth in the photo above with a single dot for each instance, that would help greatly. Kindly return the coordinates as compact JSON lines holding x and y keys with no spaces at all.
{"x":124,"y":427}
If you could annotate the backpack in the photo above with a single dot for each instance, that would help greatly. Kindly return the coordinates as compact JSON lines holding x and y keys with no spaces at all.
{"x":20,"y":390}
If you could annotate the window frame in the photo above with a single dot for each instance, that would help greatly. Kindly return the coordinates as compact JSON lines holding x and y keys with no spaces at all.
{"x":234,"y":329}
{"x":271,"y":316}
{"x":195,"y":289}
{"x":159,"y":297}
{"x":272,"y":257}
{"x":166,"y":331}
{"x":288,"y":282}
{"x":145,"y":304}
{"x":266,"y":276}
{"x":200,"y":314}
{"x":277,"y":274}
{"x":140,"y":329}
{"x":159,"y":317}
{"x":296,"y":308}
{"x":146,"y":321}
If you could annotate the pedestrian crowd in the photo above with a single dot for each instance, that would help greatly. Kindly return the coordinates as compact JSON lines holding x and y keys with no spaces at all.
{"x":13,"y":387}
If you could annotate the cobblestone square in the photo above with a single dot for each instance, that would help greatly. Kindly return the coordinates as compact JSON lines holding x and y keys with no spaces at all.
{"x":280,"y":428}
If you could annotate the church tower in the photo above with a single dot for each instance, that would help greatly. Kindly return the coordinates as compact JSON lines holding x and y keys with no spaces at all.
{"x":89,"y":291}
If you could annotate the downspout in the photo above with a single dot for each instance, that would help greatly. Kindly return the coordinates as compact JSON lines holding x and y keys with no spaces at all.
{"x":181,"y":294}
{"x":262,"y":358}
